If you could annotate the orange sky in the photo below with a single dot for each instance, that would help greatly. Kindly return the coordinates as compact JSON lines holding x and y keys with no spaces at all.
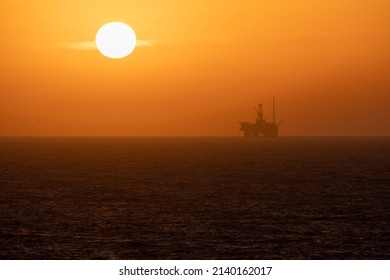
{"x":199,"y":68}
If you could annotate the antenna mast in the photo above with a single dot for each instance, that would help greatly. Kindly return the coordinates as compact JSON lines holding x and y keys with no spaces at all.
{"x":273,"y":111}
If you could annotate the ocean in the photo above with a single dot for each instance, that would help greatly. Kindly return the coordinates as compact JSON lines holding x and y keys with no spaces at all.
{"x":194,"y":198}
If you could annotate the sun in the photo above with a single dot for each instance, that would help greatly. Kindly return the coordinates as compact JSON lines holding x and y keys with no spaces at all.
{"x":116,"y":40}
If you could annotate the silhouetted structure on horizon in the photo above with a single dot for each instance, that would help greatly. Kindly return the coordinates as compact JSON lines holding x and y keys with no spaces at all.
{"x":261,"y":127}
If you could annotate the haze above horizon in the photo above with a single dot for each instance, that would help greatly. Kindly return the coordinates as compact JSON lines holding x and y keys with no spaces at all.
{"x":198,"y":68}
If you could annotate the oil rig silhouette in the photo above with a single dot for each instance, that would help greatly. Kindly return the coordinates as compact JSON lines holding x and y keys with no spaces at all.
{"x":261,"y":127}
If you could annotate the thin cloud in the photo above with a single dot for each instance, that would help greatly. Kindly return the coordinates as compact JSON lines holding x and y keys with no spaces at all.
{"x":91,"y":45}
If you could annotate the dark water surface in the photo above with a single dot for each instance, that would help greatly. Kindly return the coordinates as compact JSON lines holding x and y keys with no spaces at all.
{"x":195,"y":198}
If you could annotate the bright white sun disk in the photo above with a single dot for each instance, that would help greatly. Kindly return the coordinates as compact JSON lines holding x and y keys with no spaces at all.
{"x":116,"y":40}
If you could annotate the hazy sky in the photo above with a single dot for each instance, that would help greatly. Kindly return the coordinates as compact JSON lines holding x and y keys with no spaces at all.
{"x":199,"y":68}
